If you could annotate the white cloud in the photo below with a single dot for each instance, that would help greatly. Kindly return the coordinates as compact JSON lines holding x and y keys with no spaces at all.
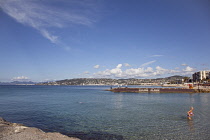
{"x":148,"y":63}
{"x":156,"y":55}
{"x":86,"y":72}
{"x":97,"y":66}
{"x":116,"y":72}
{"x":135,"y":72}
{"x":20,"y":78}
{"x":188,"y":69}
{"x":143,"y":71}
{"x":119,"y":66}
{"x":127,"y":65}
{"x":161,"y":71}
{"x":49,"y":36}
{"x":184,"y":65}
{"x":42,"y":15}
{"x":49,"y":80}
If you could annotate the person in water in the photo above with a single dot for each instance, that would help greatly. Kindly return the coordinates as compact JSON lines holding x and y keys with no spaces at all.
{"x":190,"y":113}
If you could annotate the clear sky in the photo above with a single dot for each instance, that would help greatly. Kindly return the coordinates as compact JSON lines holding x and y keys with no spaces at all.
{"x":44,"y":40}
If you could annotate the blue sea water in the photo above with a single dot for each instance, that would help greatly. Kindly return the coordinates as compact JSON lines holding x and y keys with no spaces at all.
{"x":91,"y":113}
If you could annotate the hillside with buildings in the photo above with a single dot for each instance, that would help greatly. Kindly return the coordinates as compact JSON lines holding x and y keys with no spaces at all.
{"x":198,"y":77}
{"x":108,"y":81}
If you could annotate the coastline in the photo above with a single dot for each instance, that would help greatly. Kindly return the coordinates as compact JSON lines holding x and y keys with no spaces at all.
{"x":14,"y":131}
{"x":158,"y":90}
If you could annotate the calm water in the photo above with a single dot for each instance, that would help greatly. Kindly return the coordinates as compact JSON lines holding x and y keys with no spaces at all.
{"x":89,"y":112}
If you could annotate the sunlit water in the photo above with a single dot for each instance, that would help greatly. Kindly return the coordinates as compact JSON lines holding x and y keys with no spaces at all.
{"x":89,"y":112}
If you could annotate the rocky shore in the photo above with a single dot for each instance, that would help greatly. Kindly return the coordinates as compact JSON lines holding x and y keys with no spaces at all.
{"x":14,"y":131}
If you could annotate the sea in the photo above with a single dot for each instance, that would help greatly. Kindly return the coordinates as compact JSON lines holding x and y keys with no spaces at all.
{"x":91,"y":113}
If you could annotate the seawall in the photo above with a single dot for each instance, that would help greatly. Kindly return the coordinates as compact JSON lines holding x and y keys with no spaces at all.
{"x":159,"y":90}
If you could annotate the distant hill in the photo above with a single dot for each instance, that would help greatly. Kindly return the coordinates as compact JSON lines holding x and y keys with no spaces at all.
{"x":108,"y":81}
{"x":175,"y":77}
{"x":18,"y":83}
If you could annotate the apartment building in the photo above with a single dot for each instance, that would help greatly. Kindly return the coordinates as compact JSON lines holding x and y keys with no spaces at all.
{"x":201,"y":75}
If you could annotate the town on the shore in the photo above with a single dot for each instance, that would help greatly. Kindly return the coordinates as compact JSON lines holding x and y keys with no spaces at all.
{"x":198,"y":78}
{"x":201,"y":77}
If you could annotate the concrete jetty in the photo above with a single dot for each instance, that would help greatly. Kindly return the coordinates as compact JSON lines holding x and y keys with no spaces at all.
{"x":158,"y":90}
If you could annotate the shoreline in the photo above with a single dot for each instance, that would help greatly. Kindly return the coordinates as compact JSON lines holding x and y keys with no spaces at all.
{"x":158,"y":90}
{"x":14,"y":131}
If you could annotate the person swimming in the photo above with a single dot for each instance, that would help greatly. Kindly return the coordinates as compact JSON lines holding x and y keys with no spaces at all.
{"x":190,"y":113}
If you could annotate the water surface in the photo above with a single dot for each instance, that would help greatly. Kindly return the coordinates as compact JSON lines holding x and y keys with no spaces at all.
{"x":89,"y":112}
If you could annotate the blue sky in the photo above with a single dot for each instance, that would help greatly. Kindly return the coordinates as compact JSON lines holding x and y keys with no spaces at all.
{"x":43,"y":40}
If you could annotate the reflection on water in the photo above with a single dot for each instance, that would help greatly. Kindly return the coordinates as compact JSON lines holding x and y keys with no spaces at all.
{"x":204,"y":99}
{"x":92,"y":113}
{"x":192,"y":99}
{"x":191,"y":125}
{"x":117,"y":101}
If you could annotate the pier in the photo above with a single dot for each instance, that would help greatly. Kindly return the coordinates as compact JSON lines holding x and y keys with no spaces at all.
{"x":158,"y":90}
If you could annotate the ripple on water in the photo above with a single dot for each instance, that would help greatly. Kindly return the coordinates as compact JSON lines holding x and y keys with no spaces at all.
{"x":90,"y":113}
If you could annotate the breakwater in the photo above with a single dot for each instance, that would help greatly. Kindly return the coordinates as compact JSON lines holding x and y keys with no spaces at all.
{"x":158,"y":90}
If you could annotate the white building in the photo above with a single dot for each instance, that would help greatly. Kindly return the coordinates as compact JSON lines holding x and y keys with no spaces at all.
{"x":201,"y":75}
